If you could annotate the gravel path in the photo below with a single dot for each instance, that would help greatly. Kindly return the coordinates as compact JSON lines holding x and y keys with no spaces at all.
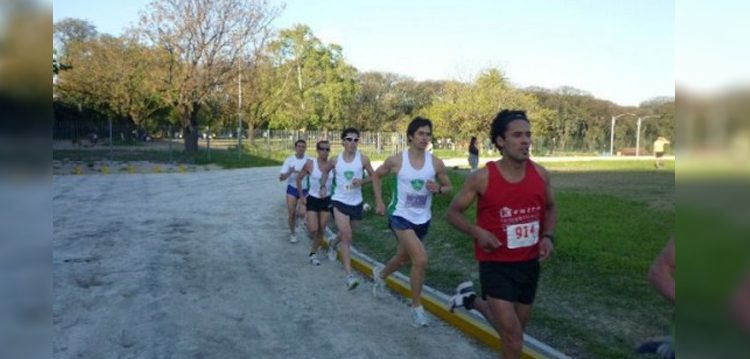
{"x":198,"y":265}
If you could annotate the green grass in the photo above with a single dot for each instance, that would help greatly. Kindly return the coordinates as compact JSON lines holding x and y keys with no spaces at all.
{"x":224,"y":158}
{"x":593,"y":300}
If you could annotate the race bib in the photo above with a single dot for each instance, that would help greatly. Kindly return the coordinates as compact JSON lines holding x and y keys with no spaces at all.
{"x":416,"y":201}
{"x":523,"y":234}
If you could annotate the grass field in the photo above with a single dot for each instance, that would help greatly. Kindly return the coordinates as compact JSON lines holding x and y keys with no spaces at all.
{"x":593,"y":300}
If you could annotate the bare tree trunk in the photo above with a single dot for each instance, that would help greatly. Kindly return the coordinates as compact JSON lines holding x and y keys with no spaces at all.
{"x":190,"y":131}
{"x":251,"y":133}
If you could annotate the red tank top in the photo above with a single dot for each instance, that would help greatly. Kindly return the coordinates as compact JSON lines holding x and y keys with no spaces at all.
{"x":514,"y":213}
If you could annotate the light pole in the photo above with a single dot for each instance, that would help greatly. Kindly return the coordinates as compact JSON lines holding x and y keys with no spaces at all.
{"x":638,"y":134}
{"x":239,"y":110}
{"x":612,"y":132}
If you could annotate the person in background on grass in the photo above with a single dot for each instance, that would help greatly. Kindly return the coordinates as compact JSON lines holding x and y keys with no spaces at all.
{"x":317,"y":206}
{"x":410,"y":210}
{"x":473,"y":154}
{"x":346,"y":198}
{"x":515,"y":226}
{"x":659,"y":145}
{"x":289,"y":170}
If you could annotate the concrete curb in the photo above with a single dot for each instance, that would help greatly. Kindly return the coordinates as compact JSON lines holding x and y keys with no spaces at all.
{"x":469,"y":322}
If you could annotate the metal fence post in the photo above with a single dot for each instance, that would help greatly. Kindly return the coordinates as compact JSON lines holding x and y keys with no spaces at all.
{"x":110,"y":139}
{"x":208,"y":143}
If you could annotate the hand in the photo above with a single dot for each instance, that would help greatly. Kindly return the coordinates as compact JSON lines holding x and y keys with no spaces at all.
{"x":433,"y":186}
{"x":380,"y":208}
{"x":303,"y":200}
{"x":357,"y":182}
{"x":545,"y":248}
{"x":323,"y":192}
{"x":487,"y":241}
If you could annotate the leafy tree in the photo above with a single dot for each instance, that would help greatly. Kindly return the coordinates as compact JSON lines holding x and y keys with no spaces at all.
{"x":314,"y":81}
{"x":203,"y":42}
{"x":114,"y":75}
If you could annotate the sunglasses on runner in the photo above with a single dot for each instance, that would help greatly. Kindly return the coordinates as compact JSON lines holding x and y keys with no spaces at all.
{"x":323,"y":149}
{"x":350,"y":139}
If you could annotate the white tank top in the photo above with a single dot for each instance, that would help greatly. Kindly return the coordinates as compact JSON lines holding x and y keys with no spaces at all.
{"x":314,"y":180}
{"x":411,"y":199}
{"x":343,"y":190}
{"x":296,"y":163}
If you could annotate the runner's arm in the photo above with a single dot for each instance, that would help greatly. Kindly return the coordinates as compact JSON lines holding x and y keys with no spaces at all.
{"x":286,"y":170}
{"x":307,"y":168}
{"x":377,"y":189}
{"x":368,"y":168}
{"x":442,"y":175}
{"x":661,"y":274}
{"x":462,"y":201}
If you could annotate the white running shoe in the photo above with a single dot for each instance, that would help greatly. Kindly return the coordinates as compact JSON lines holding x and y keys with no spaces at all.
{"x":351,"y":281}
{"x":378,"y":283}
{"x":293,"y":238}
{"x":332,"y":250}
{"x":314,"y":260}
{"x":419,"y":316}
{"x":463,"y":296}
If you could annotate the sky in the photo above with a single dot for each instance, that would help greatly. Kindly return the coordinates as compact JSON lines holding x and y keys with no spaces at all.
{"x":622,"y":51}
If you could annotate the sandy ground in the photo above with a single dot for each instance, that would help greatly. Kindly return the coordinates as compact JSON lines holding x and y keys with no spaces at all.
{"x":198,"y":265}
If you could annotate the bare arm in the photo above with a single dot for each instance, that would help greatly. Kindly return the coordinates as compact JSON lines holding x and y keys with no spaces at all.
{"x":661,"y":274}
{"x":324,"y":179}
{"x":462,"y":201}
{"x":550,"y":217}
{"x":741,"y":303}
{"x":377,"y":189}
{"x":306,"y":169}
{"x":283,"y":176}
{"x":368,"y":168}
{"x":441,"y":173}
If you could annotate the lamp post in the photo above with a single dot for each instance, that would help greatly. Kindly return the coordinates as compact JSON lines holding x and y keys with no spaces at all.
{"x":612,"y":132}
{"x":638,"y":133}
{"x":239,"y":111}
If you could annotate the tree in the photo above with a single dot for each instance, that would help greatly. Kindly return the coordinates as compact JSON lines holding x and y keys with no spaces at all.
{"x":114,"y":75}
{"x":315,"y":82}
{"x":203,"y":42}
{"x":70,"y":31}
{"x":464,"y":110}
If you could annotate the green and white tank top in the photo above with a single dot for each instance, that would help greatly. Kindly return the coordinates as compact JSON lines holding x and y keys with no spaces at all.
{"x":411,"y":199}
{"x":346,"y":172}
{"x":314,"y":180}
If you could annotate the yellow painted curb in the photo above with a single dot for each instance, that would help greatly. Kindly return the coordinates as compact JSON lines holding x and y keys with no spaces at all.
{"x":460,"y":319}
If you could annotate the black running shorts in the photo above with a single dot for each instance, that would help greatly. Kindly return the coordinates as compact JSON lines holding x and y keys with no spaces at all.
{"x":354,"y":212}
{"x":317,"y":204}
{"x":511,"y":281}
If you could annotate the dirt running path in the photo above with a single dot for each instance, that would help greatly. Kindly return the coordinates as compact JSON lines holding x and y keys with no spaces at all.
{"x":192,"y":265}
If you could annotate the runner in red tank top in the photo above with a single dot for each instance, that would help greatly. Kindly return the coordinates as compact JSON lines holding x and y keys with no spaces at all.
{"x":516,"y":218}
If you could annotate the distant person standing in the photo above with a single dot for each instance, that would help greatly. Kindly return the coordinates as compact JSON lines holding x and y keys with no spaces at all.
{"x":289,"y":170}
{"x":473,"y":154}
{"x":659,"y":145}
